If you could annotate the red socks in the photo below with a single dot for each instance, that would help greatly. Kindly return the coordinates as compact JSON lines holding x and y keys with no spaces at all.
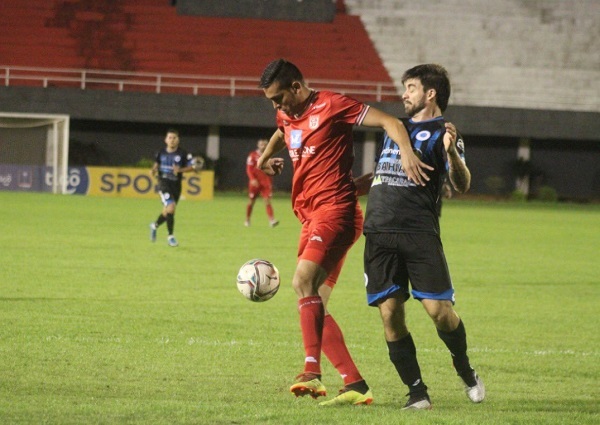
{"x":311,"y":321}
{"x":335,"y":349}
{"x":320,"y":332}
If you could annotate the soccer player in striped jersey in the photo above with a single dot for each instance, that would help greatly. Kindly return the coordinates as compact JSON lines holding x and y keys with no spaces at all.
{"x":169,"y":165}
{"x":316,"y":129}
{"x":403,"y":234}
{"x":259,"y":184}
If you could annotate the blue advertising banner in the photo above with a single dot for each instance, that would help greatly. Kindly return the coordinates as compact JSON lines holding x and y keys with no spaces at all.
{"x":102,"y":181}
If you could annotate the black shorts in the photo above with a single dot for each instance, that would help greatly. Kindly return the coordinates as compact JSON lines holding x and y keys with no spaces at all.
{"x":391,"y":260}
{"x":170,"y":191}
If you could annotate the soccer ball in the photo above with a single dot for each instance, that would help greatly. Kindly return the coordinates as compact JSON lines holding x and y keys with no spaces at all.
{"x":258,"y":280}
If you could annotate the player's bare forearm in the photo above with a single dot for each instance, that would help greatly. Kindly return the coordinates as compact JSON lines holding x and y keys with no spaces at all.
{"x":415,"y":169}
{"x":276,"y":144}
{"x":363,"y":184}
{"x":272,"y":166}
{"x":459,"y":174}
{"x":181,"y":170}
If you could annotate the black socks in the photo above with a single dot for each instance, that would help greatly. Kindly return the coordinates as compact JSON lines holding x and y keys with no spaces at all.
{"x":456,"y":341}
{"x":170,"y":223}
{"x":403,"y":355}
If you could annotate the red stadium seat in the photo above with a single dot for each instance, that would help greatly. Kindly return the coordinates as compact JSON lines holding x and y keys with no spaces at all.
{"x":149,"y":36}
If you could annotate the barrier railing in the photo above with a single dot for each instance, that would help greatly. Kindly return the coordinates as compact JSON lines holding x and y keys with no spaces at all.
{"x":93,"y":79}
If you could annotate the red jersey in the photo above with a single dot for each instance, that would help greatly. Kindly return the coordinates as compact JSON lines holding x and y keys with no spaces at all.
{"x":320,"y":145}
{"x":255,"y":173}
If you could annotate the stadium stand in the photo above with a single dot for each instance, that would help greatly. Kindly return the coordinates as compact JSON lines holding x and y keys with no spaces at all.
{"x":506,"y":53}
{"x":149,"y":36}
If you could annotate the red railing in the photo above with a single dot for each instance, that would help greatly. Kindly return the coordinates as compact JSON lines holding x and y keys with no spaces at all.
{"x":92,"y":79}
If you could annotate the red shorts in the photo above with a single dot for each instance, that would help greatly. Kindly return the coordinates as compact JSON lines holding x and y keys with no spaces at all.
{"x":326,"y":239}
{"x":265,"y":190}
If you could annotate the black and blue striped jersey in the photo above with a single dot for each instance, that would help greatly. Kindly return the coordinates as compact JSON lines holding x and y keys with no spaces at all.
{"x":166,"y":160}
{"x":397,"y":204}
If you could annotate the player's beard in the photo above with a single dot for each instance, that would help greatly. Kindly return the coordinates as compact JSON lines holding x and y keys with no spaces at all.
{"x":412,"y":109}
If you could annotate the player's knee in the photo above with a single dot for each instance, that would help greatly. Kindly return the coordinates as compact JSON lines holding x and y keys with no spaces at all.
{"x":304,"y":287}
{"x":393,"y":319}
{"x":445,"y":319}
{"x":441,"y":312}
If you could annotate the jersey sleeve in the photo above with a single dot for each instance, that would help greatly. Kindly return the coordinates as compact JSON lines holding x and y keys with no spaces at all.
{"x":348,"y":109}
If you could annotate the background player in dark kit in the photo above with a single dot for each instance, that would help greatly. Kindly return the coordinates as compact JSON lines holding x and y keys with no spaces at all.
{"x":170,"y":163}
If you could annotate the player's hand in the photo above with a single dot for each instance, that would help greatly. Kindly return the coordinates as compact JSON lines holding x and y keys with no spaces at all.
{"x":176,"y":169}
{"x":254,"y":183}
{"x":450,"y":137}
{"x":197,"y":163}
{"x":273,"y":166}
{"x":415,"y":169}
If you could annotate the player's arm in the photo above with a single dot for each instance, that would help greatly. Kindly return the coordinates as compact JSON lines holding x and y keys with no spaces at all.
{"x":415,"y":169}
{"x":459,"y":174}
{"x":185,"y":169}
{"x":252,"y":172}
{"x":154,"y":169}
{"x":363,"y":184}
{"x":188,"y":166}
{"x":272,"y":166}
{"x":251,"y":169}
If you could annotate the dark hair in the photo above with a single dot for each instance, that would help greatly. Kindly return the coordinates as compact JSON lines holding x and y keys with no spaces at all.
{"x":432,"y":76}
{"x":281,"y":71}
{"x":172,"y":130}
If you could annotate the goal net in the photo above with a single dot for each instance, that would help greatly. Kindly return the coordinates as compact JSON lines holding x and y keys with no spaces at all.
{"x":34,"y":152}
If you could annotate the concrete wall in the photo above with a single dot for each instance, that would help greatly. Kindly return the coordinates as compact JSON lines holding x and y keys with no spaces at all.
{"x":126,"y":127}
{"x":257,"y":112}
{"x":288,"y":10}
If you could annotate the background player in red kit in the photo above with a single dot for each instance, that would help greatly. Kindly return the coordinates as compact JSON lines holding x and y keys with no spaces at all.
{"x":316,"y":127}
{"x":259,"y":184}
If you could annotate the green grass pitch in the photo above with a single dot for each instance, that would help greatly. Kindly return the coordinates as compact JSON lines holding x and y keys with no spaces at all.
{"x":100,"y":326}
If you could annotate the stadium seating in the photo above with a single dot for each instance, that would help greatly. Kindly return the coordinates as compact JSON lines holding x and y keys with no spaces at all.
{"x":503,"y":53}
{"x":149,"y":36}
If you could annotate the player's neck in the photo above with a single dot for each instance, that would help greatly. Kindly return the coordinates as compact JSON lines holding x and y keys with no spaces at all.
{"x":428,"y":113}
{"x":171,"y":150}
{"x":308,"y":95}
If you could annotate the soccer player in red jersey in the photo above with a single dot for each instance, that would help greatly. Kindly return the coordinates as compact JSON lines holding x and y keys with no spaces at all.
{"x":316,"y":128}
{"x":259,"y":183}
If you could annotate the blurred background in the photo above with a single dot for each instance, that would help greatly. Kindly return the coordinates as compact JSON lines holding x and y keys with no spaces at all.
{"x":525,"y":81}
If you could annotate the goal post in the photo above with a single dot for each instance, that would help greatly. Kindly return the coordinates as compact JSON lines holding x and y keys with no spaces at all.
{"x":34,"y":152}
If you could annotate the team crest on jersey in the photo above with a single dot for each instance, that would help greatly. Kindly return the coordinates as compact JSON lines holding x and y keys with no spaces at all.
{"x":313,"y":122}
{"x":423,"y":135}
{"x":295,"y":139}
{"x":177,"y":158}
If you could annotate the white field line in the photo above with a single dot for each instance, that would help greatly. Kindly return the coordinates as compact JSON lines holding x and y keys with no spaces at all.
{"x":165,"y":340}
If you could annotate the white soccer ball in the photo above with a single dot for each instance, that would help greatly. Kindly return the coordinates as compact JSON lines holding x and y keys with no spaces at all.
{"x":258,"y":280}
